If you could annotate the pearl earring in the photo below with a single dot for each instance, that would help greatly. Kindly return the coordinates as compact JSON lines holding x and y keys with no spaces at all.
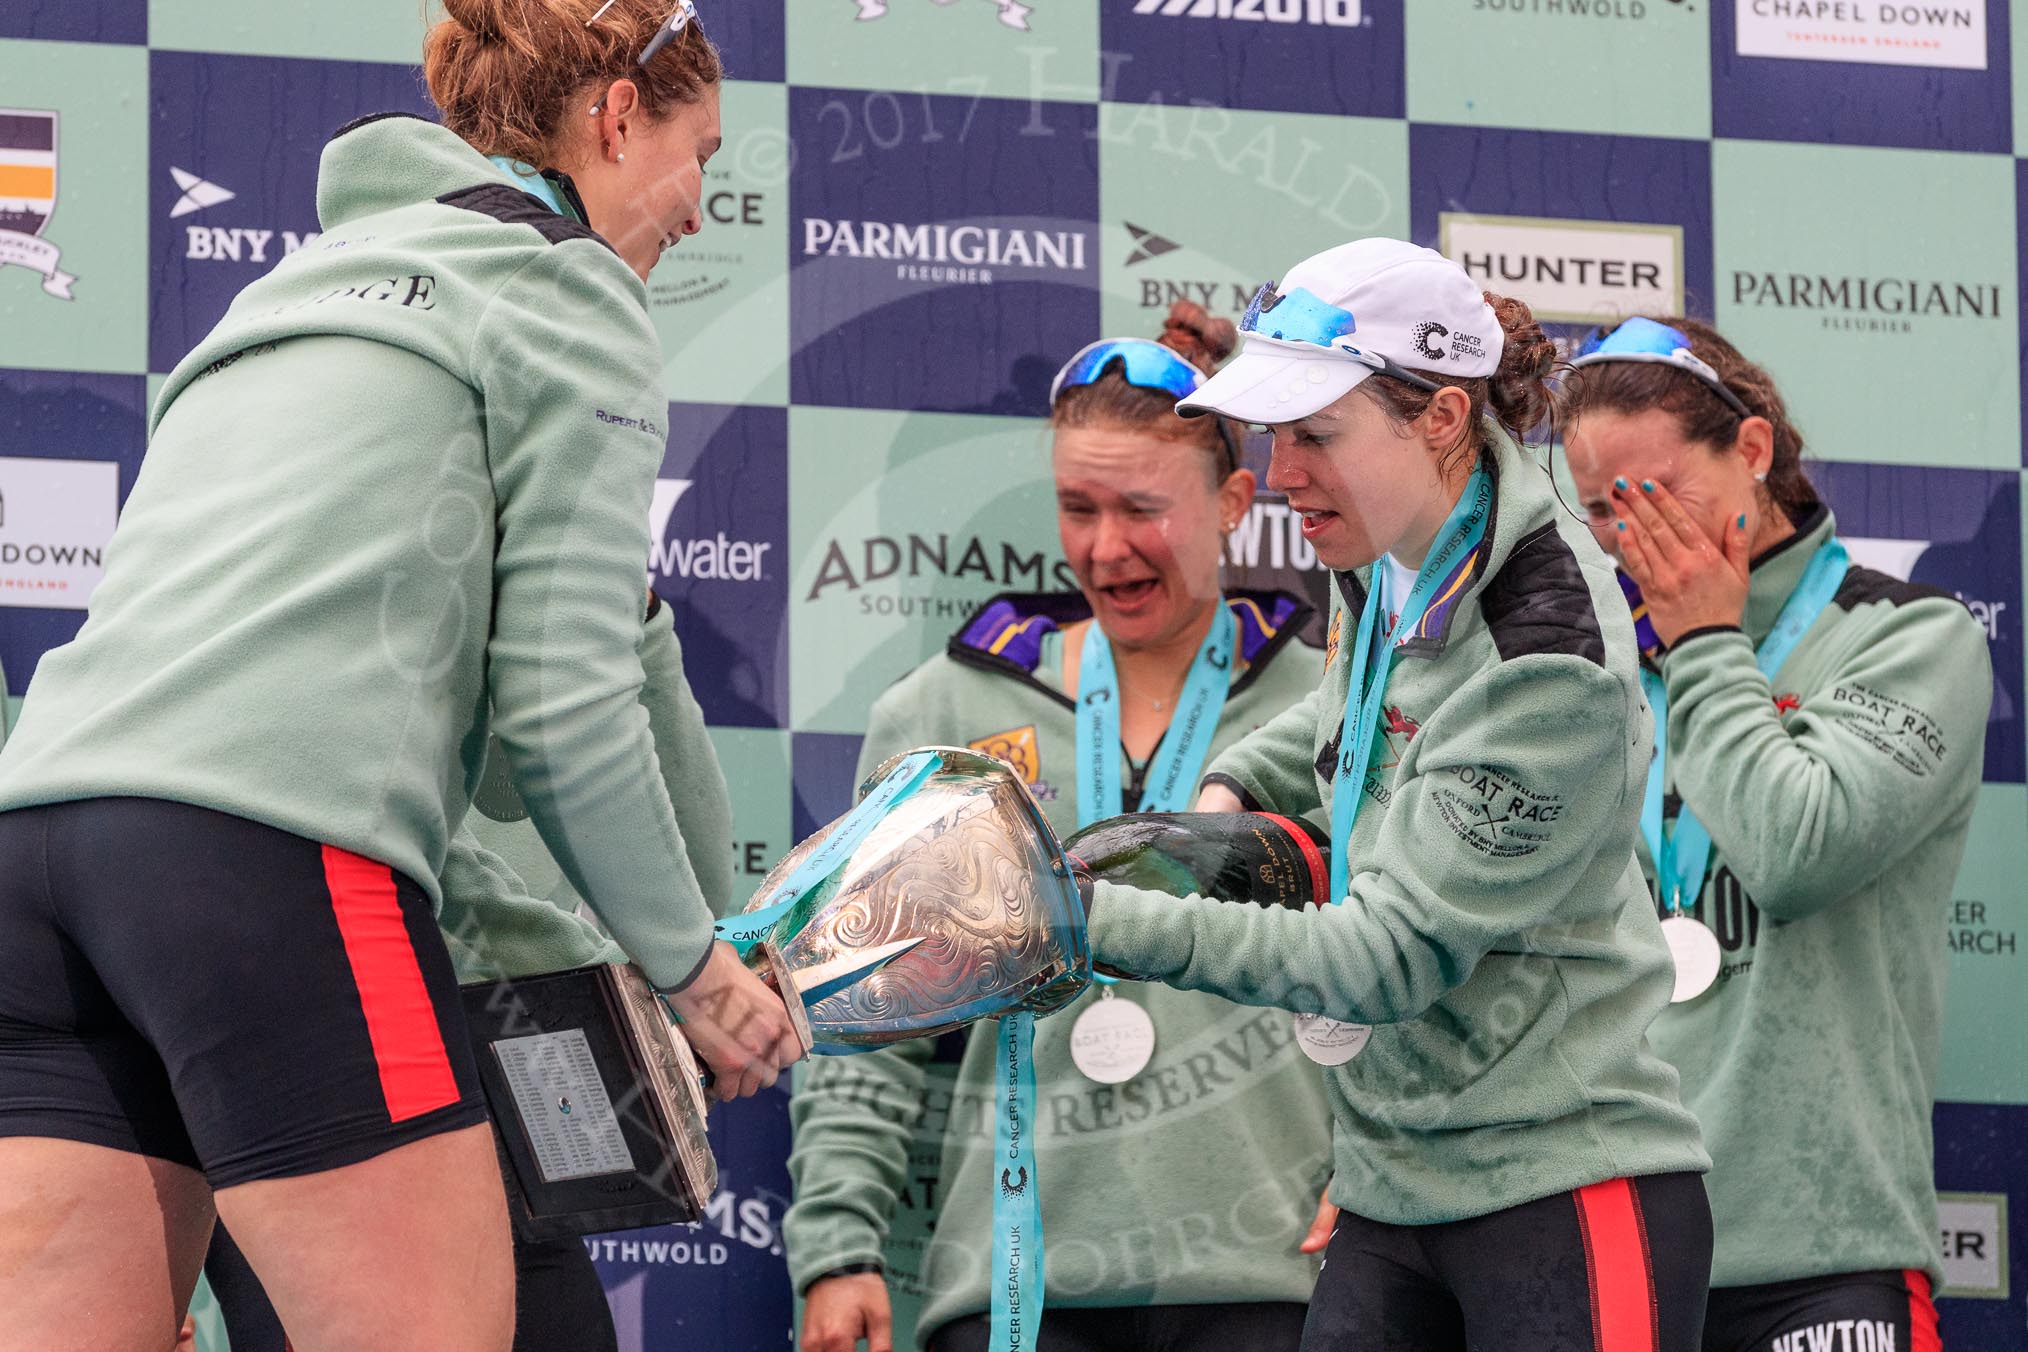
{"x":1761,"y":477}
{"x":621,"y":156}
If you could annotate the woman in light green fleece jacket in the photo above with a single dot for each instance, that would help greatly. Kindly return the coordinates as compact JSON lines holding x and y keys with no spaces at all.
{"x":1513,"y":1166}
{"x":1174,"y":1201}
{"x":1821,"y":756}
{"x":395,"y":502}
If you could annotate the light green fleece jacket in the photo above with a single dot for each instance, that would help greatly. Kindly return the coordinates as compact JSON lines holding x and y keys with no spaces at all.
{"x":1192,"y":1182}
{"x":405,"y":480}
{"x":1838,"y":797}
{"x":509,"y":911}
{"x":1497,"y":930}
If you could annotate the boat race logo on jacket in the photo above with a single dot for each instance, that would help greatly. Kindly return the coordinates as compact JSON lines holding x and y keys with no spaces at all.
{"x":28,"y":197}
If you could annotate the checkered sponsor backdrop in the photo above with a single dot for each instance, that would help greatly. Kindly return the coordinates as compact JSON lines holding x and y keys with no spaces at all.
{"x":924,"y":205}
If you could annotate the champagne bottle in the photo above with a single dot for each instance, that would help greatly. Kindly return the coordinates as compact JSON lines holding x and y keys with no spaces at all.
{"x":1232,"y":856}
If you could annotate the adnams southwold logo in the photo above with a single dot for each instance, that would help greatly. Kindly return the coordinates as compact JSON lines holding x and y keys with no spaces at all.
{"x":56,"y":517}
{"x":1584,"y":10}
{"x":1949,"y":35}
{"x":227,"y":243}
{"x":952,"y":253}
{"x":1570,"y":271}
{"x":28,"y":197}
{"x":1322,"y":13}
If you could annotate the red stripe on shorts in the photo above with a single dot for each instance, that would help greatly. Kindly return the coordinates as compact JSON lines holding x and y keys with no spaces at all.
{"x":408,"y":1047}
{"x":1922,"y":1330}
{"x":1623,"y":1313}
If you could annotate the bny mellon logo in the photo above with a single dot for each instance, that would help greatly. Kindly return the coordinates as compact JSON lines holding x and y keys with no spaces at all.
{"x":1147,"y":244}
{"x":197,"y":194}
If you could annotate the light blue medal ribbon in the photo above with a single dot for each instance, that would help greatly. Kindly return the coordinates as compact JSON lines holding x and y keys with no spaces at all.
{"x":746,"y":930}
{"x":531,"y":181}
{"x":1017,"y":1202}
{"x":1683,"y":854}
{"x":1462,"y":531}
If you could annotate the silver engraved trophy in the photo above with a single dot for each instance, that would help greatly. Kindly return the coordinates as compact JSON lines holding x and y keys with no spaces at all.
{"x":965,"y":865}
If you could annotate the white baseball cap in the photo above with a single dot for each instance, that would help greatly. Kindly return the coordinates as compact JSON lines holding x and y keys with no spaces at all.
{"x":1338,"y":317}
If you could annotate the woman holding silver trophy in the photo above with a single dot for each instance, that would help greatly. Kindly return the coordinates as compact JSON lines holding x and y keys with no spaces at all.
{"x":1104,"y":700}
{"x":406,"y":475}
{"x":1513,"y":1163}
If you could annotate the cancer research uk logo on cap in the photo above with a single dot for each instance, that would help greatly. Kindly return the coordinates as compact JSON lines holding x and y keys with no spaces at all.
{"x":28,"y":197}
{"x":1950,"y":34}
{"x":1570,"y":271}
{"x":56,"y":517}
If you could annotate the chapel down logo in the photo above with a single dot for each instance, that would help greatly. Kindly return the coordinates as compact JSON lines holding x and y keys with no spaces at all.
{"x":1948,"y":35}
{"x":1013,"y":13}
{"x":28,"y":197}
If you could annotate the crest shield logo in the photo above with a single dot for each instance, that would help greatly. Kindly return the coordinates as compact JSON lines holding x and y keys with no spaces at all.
{"x":28,"y":196}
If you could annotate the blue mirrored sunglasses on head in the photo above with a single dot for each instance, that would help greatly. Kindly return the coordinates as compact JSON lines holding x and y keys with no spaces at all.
{"x":1299,"y":316}
{"x":1646,"y":340}
{"x":1142,"y":363}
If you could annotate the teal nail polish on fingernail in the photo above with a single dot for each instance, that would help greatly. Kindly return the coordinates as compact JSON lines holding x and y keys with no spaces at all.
{"x":1742,"y":520}
{"x":1620,"y":482}
{"x":1621,"y":525}
{"x":1647,"y":485}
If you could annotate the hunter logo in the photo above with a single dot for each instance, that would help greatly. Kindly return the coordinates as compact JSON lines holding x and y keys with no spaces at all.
{"x":55,"y":519}
{"x":1423,"y":332}
{"x":1324,"y":13}
{"x":1949,"y":36}
{"x":1012,"y":13}
{"x":1017,"y":747}
{"x":28,"y":197}
{"x":1570,"y":271}
{"x":1860,"y":304}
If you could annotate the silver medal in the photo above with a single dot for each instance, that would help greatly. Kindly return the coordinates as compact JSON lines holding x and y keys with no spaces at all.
{"x":1113,"y":1040}
{"x":1330,"y":1042}
{"x":1694,"y":949}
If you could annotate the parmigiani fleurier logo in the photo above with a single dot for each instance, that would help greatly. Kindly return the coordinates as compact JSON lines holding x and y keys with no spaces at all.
{"x":1571,"y":271}
{"x":1324,"y":13}
{"x":963,"y":253}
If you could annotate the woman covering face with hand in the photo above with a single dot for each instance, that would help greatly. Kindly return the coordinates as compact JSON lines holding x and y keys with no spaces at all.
{"x":1175,"y":1185}
{"x":1513,"y":1165}
{"x":1820,"y":731}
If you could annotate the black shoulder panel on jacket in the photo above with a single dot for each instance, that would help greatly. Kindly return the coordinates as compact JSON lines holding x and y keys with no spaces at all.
{"x":1864,"y":585}
{"x":505,"y":202}
{"x":356,"y":123}
{"x":1538,"y":602}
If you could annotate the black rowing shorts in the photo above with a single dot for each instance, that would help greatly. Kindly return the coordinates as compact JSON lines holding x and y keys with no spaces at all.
{"x":1852,"y":1312}
{"x":199,"y":988}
